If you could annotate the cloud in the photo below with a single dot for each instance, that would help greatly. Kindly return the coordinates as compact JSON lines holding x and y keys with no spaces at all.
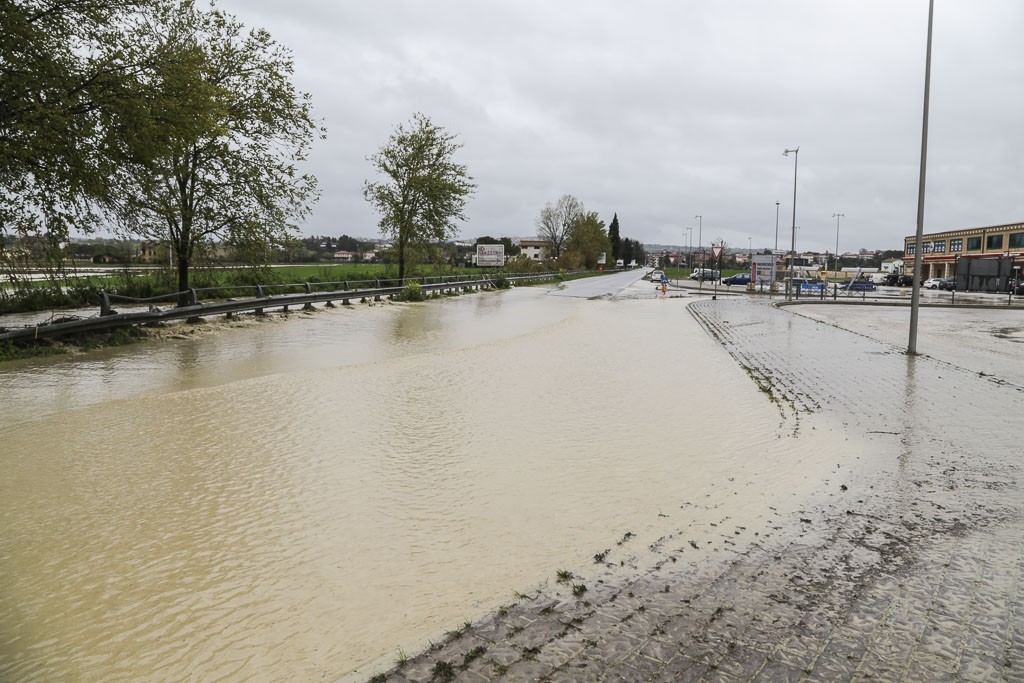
{"x":659,"y":111}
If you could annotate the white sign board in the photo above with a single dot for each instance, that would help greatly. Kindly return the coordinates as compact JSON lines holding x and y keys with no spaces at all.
{"x":764,"y":269}
{"x":490,"y":255}
{"x":601,"y":258}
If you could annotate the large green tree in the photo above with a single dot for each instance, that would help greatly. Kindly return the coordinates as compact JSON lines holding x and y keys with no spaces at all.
{"x":63,"y":71}
{"x":613,"y":237}
{"x":588,"y":239}
{"x":211,"y":144}
{"x":424,"y":191}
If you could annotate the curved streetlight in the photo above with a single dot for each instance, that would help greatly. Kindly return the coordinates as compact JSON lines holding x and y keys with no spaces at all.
{"x":792,"y":248}
{"x":837,"y":216}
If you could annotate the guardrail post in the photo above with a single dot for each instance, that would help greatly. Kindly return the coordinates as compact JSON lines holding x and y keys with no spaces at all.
{"x":344,"y":285}
{"x":193,"y":298}
{"x":309,"y":290}
{"x":105,"y":304}
{"x":259,"y":291}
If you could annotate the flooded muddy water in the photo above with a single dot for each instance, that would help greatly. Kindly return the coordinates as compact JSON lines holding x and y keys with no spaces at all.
{"x":290,"y":500}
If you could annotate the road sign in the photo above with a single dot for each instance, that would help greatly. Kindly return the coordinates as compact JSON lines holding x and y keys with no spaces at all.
{"x":716,"y":251}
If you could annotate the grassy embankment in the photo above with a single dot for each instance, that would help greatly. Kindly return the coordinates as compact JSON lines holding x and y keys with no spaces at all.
{"x":84,"y":290}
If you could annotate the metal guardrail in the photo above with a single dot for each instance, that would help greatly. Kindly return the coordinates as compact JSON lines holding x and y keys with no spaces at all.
{"x":109,"y":318}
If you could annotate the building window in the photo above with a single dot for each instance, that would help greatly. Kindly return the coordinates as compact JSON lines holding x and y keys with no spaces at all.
{"x":1016,"y":240}
{"x":939,"y":246}
{"x":956,"y":245}
{"x":911,"y":247}
{"x":973,"y":244}
{"x":994,"y":243}
{"x":926,"y":247}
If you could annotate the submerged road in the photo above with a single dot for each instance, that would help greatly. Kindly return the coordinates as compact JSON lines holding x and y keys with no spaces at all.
{"x":603,"y":286}
{"x":908,"y":567}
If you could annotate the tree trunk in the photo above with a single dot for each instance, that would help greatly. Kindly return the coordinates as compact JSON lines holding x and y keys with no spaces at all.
{"x":183,"y":263}
{"x":401,"y":258}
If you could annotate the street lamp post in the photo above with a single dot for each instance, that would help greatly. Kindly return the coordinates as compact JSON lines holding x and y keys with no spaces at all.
{"x":700,"y":245}
{"x":837,"y":216}
{"x":689,"y":247}
{"x":915,"y":292}
{"x":776,"y":226}
{"x":792,"y":248}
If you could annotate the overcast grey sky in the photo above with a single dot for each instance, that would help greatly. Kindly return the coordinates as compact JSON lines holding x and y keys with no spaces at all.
{"x":662,"y":110}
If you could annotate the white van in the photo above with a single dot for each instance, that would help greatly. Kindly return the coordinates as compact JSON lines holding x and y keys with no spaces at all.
{"x":704,"y":274}
{"x":879,"y":278}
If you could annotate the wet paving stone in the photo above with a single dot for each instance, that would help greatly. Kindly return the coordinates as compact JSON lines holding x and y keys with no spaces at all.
{"x":914,"y":571}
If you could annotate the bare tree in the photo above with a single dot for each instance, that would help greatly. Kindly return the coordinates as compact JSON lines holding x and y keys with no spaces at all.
{"x":557,"y":222}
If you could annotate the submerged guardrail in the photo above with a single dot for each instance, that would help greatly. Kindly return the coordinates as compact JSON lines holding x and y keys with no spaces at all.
{"x":109,"y":318}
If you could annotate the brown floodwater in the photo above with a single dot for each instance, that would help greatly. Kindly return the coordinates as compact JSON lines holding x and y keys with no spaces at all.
{"x":300,"y":499}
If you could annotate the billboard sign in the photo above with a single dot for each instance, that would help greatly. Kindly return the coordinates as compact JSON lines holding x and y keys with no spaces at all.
{"x":490,"y":255}
{"x":764,"y":269}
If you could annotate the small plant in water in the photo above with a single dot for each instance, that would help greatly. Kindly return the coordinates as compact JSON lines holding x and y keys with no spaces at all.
{"x":579,"y":589}
{"x":563,"y":575}
{"x":412,"y":292}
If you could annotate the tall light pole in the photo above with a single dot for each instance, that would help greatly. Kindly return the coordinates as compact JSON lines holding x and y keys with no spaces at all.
{"x":700,"y":242}
{"x":700,"y":246}
{"x":776,"y":225}
{"x":792,"y":248}
{"x":837,"y":216}
{"x":915,"y":298}
{"x":689,"y":247}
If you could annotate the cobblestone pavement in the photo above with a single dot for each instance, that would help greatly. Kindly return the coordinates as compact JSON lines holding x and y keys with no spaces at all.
{"x":909,"y":569}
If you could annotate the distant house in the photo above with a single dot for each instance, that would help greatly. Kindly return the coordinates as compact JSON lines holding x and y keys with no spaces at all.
{"x":892,"y":265}
{"x":150,"y":252}
{"x":538,"y":250}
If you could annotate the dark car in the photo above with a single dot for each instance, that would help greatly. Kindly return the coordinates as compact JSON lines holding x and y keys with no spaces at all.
{"x":859,"y":286}
{"x":737,"y":279}
{"x":948,"y":283}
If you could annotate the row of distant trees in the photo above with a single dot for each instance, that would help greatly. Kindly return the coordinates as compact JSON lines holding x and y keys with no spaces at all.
{"x":578,"y":237}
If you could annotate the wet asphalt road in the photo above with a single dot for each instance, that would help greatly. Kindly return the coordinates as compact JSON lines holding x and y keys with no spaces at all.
{"x":910,"y":568}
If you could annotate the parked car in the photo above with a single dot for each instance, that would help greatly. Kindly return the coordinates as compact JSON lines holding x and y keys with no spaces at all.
{"x":657,"y":276}
{"x":737,"y":279}
{"x":932,"y":283}
{"x":948,"y":283}
{"x":859,"y":286}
